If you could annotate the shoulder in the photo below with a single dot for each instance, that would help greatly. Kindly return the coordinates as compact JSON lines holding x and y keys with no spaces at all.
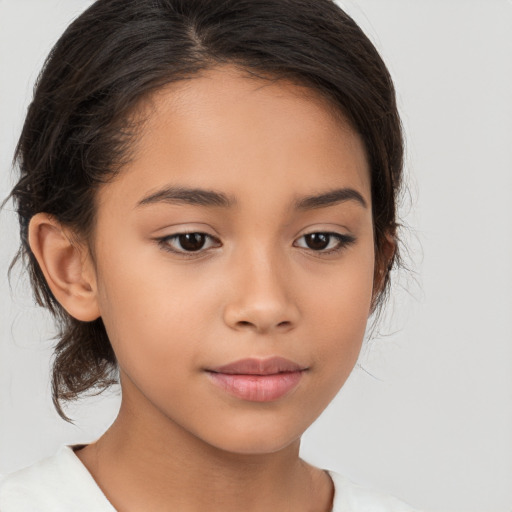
{"x":351,"y":497}
{"x":56,"y":484}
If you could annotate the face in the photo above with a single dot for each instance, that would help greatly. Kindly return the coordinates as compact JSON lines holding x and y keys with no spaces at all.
{"x":234,"y":260}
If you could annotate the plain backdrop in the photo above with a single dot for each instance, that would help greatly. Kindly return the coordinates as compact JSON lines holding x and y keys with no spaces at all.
{"x":427,"y":414}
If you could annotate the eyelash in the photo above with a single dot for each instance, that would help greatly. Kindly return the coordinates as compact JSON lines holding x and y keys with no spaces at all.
{"x":344,"y":241}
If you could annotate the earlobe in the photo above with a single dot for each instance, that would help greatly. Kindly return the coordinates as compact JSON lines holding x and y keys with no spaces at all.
{"x":66,"y":267}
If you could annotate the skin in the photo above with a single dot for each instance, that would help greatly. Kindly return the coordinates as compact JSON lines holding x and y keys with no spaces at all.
{"x":256,"y":289}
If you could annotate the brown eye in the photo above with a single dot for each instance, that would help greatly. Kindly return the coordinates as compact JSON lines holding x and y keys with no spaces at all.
{"x":187,"y":243}
{"x":326,"y":243}
{"x":317,"y":241}
{"x":192,"y":241}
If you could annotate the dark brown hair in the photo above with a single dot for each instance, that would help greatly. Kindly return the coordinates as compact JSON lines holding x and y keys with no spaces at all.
{"x":78,"y":128}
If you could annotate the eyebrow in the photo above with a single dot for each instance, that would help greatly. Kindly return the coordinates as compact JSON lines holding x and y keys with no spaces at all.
{"x":192,"y":196}
{"x":330,"y":198}
{"x":212,"y":198}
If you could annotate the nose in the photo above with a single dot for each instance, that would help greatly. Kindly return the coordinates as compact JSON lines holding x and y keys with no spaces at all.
{"x":261,"y":298}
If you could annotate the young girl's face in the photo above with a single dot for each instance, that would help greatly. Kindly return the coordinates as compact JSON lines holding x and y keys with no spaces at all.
{"x":274,"y":193}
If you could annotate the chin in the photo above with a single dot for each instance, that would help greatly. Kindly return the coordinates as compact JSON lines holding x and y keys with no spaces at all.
{"x":252,"y":446}
{"x":257,"y":438}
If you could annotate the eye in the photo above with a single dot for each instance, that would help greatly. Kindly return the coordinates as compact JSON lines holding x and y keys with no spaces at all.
{"x":192,"y":243}
{"x":326,"y":242}
{"x":188,"y":243}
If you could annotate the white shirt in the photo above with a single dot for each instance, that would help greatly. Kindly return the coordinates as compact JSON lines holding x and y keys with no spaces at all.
{"x":63,"y":484}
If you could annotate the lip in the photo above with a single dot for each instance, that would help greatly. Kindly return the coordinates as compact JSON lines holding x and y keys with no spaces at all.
{"x":258,"y":380}
{"x":255,"y":366}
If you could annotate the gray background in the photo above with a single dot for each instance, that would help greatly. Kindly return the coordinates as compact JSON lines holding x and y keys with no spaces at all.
{"x":428,"y":414}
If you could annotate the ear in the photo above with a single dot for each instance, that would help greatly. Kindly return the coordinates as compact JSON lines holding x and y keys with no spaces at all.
{"x":67,"y":267}
{"x":383,"y":259}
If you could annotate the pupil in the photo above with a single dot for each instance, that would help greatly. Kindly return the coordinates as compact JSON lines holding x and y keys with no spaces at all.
{"x":192,"y":241}
{"x":317,"y":240}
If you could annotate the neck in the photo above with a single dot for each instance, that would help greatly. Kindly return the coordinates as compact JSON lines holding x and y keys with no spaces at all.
{"x":147,"y":462}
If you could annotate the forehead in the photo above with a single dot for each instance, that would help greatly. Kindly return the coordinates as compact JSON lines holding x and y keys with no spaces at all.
{"x":224,"y":128}
{"x":223,"y":85}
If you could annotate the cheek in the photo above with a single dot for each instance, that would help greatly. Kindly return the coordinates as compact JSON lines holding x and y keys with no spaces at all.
{"x":159,"y":315}
{"x":340,"y":310}
{"x":147,"y":316}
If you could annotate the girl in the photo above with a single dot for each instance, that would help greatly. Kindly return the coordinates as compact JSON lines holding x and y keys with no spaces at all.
{"x":207,"y":205}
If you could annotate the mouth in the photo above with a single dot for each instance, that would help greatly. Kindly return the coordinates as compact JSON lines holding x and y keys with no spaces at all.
{"x":258,"y":380}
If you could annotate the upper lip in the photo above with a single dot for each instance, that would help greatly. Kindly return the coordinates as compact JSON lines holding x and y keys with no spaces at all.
{"x":254,"y":366}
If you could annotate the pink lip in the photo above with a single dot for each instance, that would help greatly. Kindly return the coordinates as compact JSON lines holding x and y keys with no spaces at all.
{"x":258,"y":380}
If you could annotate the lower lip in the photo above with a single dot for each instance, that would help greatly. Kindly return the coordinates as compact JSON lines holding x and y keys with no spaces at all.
{"x":257,"y":388}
